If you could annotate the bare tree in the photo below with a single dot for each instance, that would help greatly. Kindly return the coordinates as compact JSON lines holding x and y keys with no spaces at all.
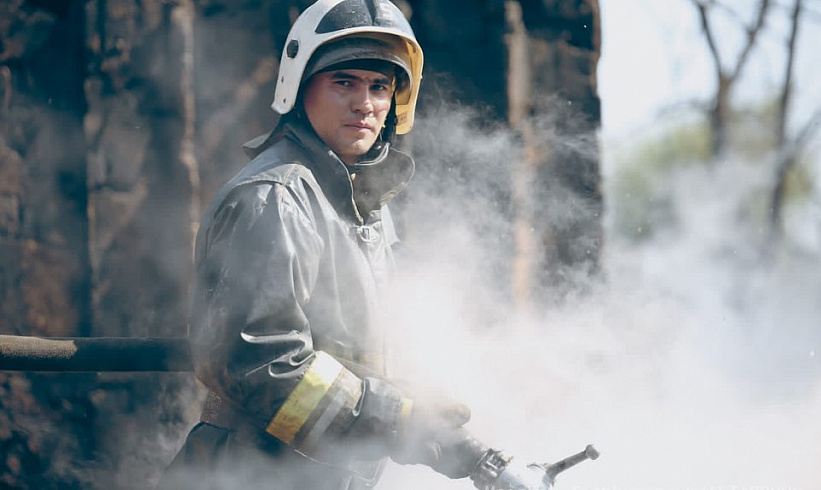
{"x":789,"y":145}
{"x":788,"y":148}
{"x":726,"y":77}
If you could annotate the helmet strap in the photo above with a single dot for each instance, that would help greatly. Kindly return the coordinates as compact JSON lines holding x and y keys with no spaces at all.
{"x":387,"y":136}
{"x":388,"y":133}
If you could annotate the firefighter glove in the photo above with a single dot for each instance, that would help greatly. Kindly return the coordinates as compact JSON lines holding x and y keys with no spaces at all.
{"x":430,"y":433}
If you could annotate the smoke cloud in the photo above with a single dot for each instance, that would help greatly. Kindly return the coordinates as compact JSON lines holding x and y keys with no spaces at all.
{"x":694,"y":365}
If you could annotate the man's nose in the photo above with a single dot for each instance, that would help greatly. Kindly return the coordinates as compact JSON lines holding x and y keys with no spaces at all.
{"x":361,"y":100}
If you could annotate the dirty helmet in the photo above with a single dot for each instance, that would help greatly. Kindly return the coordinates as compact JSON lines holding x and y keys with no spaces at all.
{"x":362,"y":33}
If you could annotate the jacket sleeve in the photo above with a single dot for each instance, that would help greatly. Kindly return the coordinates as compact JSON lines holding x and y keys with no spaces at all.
{"x":252,"y":340}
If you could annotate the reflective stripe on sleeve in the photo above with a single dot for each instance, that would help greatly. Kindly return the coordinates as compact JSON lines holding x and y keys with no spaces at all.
{"x":404,"y":414}
{"x":346,"y":392}
{"x":305,"y":398}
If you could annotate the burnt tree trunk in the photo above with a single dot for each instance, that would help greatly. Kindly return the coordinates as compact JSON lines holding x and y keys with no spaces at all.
{"x":97,"y":196}
{"x":143,"y":201}
{"x":563,"y":43}
{"x":143,"y":179}
{"x":533,"y":64}
{"x":45,"y":426}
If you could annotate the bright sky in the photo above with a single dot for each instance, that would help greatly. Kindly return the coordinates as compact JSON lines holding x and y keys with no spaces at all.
{"x":639,"y":71}
{"x":654,"y":56}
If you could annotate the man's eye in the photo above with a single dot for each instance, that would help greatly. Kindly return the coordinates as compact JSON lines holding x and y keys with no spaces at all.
{"x":378,"y":87}
{"x":344,"y":83}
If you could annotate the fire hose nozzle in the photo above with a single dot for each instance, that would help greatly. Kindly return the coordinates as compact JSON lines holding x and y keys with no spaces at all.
{"x":554,"y":469}
{"x":496,"y":471}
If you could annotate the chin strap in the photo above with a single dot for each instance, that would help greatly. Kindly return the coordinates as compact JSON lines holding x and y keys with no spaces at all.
{"x":388,"y":134}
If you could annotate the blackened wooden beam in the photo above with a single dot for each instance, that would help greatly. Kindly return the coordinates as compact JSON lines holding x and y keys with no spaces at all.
{"x":94,"y":354}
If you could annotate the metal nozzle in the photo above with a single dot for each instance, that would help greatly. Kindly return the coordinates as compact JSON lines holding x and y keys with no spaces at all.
{"x":559,"y":466}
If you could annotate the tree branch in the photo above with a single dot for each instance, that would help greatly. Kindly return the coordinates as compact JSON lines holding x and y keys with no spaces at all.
{"x":808,"y":131}
{"x":786,"y":88}
{"x":786,"y":158}
{"x":752,"y":36}
{"x":702,"y":7}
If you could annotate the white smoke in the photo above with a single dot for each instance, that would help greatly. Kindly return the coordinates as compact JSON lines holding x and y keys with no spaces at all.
{"x":694,"y":365}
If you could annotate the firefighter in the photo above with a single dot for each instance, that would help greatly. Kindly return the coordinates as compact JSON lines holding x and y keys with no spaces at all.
{"x":289,"y":260}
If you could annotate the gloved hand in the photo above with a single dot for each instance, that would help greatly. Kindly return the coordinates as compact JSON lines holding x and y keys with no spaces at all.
{"x":430,"y":433}
{"x":459,"y":454}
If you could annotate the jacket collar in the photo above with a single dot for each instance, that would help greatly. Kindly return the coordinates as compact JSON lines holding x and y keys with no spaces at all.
{"x":360,"y":189}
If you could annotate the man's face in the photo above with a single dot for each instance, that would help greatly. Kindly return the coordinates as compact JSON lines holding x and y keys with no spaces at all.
{"x":347,"y":109}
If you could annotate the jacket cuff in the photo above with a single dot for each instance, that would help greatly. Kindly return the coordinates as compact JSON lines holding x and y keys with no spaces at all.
{"x":322,"y":401}
{"x":379,"y":413}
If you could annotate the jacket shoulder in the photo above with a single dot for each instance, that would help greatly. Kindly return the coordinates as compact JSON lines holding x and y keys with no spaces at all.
{"x":279,"y":165}
{"x":283,"y":163}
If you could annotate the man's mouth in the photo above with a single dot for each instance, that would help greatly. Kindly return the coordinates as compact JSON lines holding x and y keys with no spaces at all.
{"x":359,"y":125}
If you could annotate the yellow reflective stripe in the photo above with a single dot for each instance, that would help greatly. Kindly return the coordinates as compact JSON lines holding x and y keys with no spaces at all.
{"x":301,"y":403}
{"x":404,"y":414}
{"x":347,"y":390}
{"x":405,"y":409}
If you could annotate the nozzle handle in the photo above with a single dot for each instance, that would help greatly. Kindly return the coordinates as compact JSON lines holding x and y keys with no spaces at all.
{"x":559,"y":466}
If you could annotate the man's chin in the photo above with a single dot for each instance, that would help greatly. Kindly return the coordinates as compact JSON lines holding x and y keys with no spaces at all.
{"x":358,"y":149}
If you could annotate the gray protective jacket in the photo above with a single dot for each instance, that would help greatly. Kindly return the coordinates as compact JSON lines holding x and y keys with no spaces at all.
{"x":284,"y":328}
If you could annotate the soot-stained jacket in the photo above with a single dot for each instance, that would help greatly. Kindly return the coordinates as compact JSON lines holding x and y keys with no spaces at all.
{"x":285,"y":327}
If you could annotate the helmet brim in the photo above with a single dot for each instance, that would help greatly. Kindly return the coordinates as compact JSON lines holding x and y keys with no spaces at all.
{"x":349,"y":50}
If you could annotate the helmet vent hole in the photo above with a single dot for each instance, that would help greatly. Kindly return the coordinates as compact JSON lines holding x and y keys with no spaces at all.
{"x":292,"y":49}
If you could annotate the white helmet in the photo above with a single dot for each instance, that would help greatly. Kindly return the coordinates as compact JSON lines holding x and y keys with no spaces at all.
{"x":350,"y":30}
